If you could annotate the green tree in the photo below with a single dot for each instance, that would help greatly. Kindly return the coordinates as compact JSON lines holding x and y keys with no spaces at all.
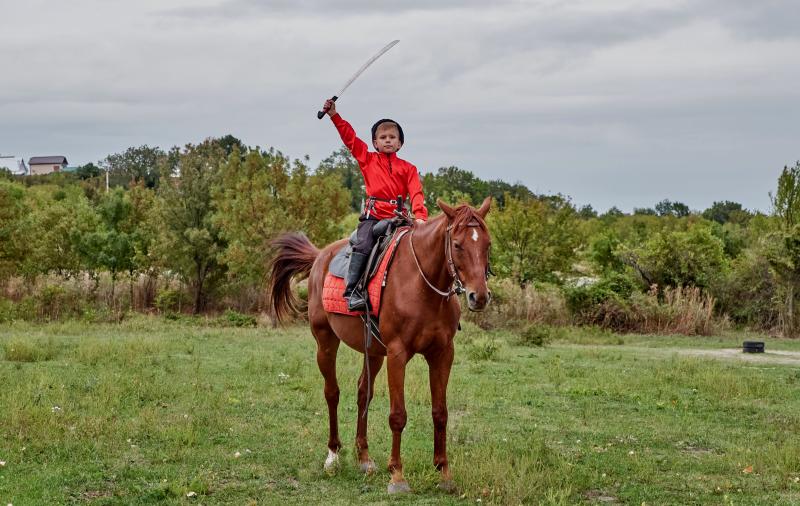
{"x":88,"y":171}
{"x":534,"y":239}
{"x":111,"y":246}
{"x":264,"y":194}
{"x":342,"y":164}
{"x":669,"y":208}
{"x":142,"y":163}
{"x":318,"y":202}
{"x":13,"y":210}
{"x":676,"y":258}
{"x":586,"y":212}
{"x":145,"y":225}
{"x":190,"y":243}
{"x":250,"y":210}
{"x":229,"y":143}
{"x":58,"y":218}
{"x":726,"y":211}
{"x":784,"y":246}
{"x":612,"y":213}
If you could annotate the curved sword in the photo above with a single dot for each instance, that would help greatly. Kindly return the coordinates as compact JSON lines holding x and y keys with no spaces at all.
{"x":380,"y":53}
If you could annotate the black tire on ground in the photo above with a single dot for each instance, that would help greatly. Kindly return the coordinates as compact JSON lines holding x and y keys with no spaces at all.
{"x":753,"y":347}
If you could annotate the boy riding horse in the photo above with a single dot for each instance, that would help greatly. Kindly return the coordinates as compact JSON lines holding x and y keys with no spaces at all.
{"x":386,"y":177}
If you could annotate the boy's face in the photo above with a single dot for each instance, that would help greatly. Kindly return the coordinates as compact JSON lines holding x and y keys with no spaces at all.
{"x":387,"y":139}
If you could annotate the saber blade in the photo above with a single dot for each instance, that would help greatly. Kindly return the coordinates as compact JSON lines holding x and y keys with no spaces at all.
{"x":364,"y":67}
{"x":369,"y":62}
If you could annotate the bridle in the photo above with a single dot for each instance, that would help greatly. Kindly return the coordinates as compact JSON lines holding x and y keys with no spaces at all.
{"x":456,"y":286}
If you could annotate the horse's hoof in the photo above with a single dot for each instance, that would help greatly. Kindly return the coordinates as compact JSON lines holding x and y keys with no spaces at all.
{"x":368,"y":467}
{"x":448,"y":486}
{"x":401,"y":487}
{"x":332,"y":462}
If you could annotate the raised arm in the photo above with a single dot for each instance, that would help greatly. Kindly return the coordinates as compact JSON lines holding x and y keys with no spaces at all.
{"x":356,"y":146}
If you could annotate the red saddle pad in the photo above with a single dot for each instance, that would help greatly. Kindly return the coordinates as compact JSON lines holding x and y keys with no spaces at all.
{"x":333,"y":287}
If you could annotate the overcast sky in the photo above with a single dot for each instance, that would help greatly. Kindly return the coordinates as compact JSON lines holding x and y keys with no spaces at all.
{"x":612,"y":102}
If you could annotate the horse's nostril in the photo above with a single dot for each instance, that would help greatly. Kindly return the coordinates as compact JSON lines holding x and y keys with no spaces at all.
{"x":472,"y":298}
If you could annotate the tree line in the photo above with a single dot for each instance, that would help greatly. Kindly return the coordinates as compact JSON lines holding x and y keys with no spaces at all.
{"x":204,"y":214}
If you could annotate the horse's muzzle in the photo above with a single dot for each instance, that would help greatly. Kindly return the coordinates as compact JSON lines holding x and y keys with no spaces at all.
{"x":478,"y":302}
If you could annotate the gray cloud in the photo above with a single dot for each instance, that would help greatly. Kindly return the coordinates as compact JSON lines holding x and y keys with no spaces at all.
{"x":614,"y":102}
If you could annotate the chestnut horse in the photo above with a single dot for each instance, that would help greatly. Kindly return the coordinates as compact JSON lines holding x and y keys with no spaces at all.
{"x":418,"y":314}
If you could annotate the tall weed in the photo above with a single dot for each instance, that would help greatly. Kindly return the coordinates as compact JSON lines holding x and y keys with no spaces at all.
{"x":512,"y":304}
{"x":680,"y":310}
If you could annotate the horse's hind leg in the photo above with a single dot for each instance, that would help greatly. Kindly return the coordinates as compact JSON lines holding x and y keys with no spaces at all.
{"x":375,"y":363}
{"x":327,"y":346}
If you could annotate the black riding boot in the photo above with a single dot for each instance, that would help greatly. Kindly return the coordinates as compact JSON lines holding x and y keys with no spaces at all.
{"x":355,"y":300}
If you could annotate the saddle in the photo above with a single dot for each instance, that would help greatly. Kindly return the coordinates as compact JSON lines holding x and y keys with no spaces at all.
{"x":387,"y":236}
{"x":381,"y":232}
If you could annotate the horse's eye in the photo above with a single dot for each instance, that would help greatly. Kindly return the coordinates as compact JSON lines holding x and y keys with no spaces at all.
{"x":456,"y":245}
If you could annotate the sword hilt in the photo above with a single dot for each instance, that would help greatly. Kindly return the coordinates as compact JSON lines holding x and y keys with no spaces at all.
{"x":320,"y":114}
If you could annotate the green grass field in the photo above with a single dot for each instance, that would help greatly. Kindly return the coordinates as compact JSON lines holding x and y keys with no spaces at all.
{"x":180,"y":412}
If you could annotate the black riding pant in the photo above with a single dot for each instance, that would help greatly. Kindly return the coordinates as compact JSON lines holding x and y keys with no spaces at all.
{"x":364,"y":239}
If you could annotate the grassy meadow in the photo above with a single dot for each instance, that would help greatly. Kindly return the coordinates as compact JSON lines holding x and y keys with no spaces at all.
{"x":189,"y":412}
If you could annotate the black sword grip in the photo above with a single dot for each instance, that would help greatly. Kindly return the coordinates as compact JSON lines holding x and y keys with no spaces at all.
{"x":320,"y":114}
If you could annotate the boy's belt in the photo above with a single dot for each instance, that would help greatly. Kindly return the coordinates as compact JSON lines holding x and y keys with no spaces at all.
{"x":369,"y":204}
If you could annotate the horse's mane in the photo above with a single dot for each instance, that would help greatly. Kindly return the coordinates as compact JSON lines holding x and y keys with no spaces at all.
{"x":464,"y":215}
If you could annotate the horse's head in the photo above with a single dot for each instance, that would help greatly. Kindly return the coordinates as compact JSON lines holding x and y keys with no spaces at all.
{"x":469,"y":250}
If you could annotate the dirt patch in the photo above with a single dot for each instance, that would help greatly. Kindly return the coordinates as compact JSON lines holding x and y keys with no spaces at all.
{"x":772,"y":357}
{"x":598,"y":496}
{"x":695,"y":450}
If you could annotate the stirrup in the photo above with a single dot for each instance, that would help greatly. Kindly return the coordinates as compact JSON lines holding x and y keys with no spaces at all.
{"x":356,"y":302}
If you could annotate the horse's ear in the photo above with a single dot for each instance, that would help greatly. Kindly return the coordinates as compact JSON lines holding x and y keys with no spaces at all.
{"x":446,"y":209}
{"x":484,"y":209}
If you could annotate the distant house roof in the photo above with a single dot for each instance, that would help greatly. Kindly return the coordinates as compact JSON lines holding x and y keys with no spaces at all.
{"x":36,"y":160}
{"x":14,"y":164}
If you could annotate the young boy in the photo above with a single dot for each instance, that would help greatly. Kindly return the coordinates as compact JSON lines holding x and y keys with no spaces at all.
{"x":386,"y":177}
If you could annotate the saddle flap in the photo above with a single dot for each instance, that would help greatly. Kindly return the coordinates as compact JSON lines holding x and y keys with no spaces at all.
{"x":333,"y":300}
{"x":339,"y":263}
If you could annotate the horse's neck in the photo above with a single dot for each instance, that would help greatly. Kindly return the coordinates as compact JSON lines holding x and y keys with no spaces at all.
{"x":430,"y":248}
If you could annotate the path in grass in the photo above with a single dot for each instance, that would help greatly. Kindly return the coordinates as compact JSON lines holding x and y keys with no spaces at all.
{"x":152,"y":411}
{"x":772,"y":357}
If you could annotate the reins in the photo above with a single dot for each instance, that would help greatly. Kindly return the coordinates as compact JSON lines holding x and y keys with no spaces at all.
{"x":456,"y":286}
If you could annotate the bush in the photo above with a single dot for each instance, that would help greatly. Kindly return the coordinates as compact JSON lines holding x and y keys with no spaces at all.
{"x":513,"y":305}
{"x":24,"y":351}
{"x":682,"y":310}
{"x":236,"y":319}
{"x":750,"y":293}
{"x":483,"y":348}
{"x":170,"y":300}
{"x":677,"y":258}
{"x":7,"y":311}
{"x":540,"y":335}
{"x":53,"y":302}
{"x":584,"y":301}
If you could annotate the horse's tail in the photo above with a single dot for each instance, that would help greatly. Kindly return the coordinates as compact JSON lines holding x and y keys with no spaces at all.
{"x":294,"y":255}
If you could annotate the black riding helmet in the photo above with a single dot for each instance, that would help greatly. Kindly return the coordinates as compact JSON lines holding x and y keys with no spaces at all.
{"x":387,"y":120}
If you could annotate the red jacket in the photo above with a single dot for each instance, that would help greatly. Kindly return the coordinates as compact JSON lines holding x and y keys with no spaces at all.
{"x":385,"y":176}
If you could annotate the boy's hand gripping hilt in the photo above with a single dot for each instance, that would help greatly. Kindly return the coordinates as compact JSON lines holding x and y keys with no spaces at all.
{"x":320,"y":114}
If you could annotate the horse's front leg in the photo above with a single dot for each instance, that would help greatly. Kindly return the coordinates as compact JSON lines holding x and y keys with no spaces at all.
{"x":362,"y":448}
{"x":439,"y":364}
{"x":396,"y":371}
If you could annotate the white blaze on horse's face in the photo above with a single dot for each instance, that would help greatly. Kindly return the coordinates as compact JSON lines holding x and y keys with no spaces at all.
{"x":474,"y":235}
